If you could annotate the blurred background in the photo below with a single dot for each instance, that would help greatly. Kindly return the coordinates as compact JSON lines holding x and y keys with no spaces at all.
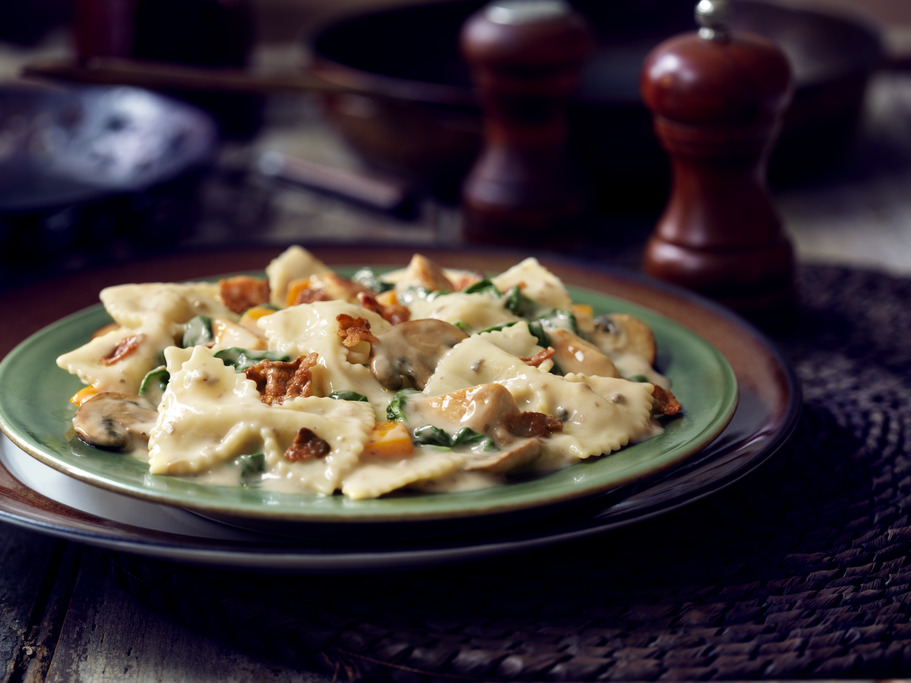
{"x":281,"y":22}
{"x":290,"y":162}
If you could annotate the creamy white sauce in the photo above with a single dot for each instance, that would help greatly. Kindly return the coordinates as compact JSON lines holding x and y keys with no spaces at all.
{"x":210,"y":415}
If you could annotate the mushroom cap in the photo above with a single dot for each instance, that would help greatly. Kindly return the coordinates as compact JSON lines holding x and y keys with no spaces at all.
{"x":408,"y":353}
{"x":510,"y":456}
{"x":574,"y":354}
{"x":111,"y":419}
{"x":621,"y":332}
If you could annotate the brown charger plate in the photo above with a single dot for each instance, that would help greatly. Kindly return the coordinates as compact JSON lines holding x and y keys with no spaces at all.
{"x":767,"y":412}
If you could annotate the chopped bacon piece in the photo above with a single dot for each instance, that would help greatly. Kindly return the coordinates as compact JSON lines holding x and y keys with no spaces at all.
{"x":307,"y":446}
{"x":665,"y":402}
{"x":353,"y":330}
{"x":531,"y":424}
{"x":393,"y":314}
{"x":243,"y":292}
{"x":124,"y":348}
{"x":539,"y":357}
{"x":278,"y":381}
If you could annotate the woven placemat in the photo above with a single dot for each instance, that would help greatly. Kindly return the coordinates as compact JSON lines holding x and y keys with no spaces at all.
{"x":801,"y":570}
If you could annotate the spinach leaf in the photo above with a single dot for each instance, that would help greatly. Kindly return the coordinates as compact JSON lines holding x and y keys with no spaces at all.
{"x":485,"y":286}
{"x":154,"y":383}
{"x":467,"y":436}
{"x":242,"y":359}
{"x":559,"y":319}
{"x":516,"y":302}
{"x":197,"y":331}
{"x":396,"y":408}
{"x":429,"y":435}
{"x":250,"y":465}
{"x":537,"y":329}
{"x":513,"y":299}
{"x":347,"y":395}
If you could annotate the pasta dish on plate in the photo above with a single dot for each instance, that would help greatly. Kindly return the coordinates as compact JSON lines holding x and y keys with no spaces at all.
{"x":361,"y":385}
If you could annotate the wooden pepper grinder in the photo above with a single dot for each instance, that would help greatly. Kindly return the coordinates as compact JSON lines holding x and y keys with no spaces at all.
{"x":717,"y":97}
{"x":526,"y":57}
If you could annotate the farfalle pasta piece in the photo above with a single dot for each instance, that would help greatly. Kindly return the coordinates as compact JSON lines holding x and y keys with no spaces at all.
{"x":376,"y":477}
{"x":314,"y":328}
{"x":517,"y":340}
{"x":484,"y":359}
{"x":210,"y":414}
{"x":608,"y":413}
{"x":164,"y":303}
{"x":472,"y":311}
{"x":292,"y":264}
{"x":98,"y":363}
{"x":344,"y":425}
{"x":537,"y":283}
{"x":207,"y":415}
{"x":593,"y":424}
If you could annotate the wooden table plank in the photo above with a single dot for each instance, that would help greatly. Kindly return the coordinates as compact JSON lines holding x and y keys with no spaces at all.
{"x":27,"y":589}
{"x":110,"y":637}
{"x":47,"y":624}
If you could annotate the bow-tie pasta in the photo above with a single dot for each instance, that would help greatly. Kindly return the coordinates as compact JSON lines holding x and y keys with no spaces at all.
{"x":359,"y":385}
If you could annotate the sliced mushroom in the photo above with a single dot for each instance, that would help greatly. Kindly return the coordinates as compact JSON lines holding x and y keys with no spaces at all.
{"x":574,"y":354}
{"x":407,"y":354}
{"x":620,"y":332}
{"x":112,"y":420}
{"x":509,"y":457}
{"x":425,"y":273}
{"x":480,"y":407}
{"x":485,"y":409}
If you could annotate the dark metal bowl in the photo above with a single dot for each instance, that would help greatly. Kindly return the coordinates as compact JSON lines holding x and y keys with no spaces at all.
{"x":89,"y":172}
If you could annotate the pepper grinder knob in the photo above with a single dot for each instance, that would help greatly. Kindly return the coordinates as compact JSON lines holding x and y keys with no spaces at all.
{"x":526,"y":57}
{"x":717,"y":97}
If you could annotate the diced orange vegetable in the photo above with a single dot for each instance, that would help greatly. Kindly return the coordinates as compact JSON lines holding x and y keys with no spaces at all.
{"x":251,"y":315}
{"x":389,"y":440}
{"x":582,"y":309}
{"x":84,"y":395}
{"x":295,"y":288}
{"x":387,"y":298}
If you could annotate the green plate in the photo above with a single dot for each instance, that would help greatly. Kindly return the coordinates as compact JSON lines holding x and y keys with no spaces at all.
{"x":35,"y":413}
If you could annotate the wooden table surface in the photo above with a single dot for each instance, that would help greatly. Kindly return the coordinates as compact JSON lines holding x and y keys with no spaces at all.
{"x":62,"y":618}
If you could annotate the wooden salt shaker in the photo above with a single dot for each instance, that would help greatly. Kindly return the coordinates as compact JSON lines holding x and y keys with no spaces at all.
{"x":526,"y":57}
{"x":717,"y":97}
